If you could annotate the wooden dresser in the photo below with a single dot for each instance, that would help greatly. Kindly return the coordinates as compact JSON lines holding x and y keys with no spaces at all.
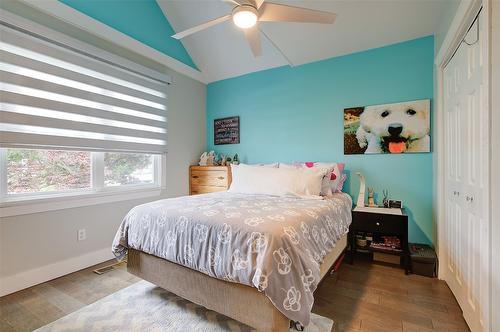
{"x":208,"y":179}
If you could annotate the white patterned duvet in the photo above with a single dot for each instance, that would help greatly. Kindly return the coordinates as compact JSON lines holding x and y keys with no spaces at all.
{"x":275,"y":244}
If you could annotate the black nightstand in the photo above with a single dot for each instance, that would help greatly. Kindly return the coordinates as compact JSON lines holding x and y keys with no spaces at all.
{"x":381,"y":224}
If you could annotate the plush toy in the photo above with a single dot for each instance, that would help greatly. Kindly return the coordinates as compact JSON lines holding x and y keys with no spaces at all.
{"x":211,"y":158}
{"x":203,"y":159}
{"x":222,"y":160}
{"x":207,"y":159}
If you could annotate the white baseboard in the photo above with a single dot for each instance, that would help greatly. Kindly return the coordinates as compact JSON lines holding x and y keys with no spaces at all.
{"x":25,"y":279}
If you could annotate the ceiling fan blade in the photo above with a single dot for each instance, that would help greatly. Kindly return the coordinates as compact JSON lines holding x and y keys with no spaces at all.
{"x":253,"y":39}
{"x":272,"y":12}
{"x":200,"y":27}
{"x":258,"y":3}
{"x":255,"y":3}
{"x":234,"y":2}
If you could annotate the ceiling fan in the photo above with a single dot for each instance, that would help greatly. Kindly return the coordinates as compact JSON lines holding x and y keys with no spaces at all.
{"x":247,"y":13}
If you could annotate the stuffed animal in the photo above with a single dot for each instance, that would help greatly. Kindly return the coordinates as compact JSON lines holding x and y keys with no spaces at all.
{"x":211,"y":158}
{"x":222,"y":160}
{"x":207,"y":159}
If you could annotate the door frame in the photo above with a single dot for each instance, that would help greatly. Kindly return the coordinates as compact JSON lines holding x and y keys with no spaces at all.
{"x":464,"y":17}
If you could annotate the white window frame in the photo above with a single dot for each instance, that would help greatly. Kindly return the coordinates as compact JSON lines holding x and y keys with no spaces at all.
{"x":98,"y":193}
{"x":34,"y":203}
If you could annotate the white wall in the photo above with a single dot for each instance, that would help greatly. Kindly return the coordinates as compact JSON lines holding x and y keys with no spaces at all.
{"x":38,"y":247}
{"x":495,"y":165}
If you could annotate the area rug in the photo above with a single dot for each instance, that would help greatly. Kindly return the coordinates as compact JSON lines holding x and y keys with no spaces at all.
{"x":146,"y":307}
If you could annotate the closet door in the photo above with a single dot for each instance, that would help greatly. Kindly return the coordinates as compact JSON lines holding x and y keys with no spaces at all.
{"x":454,"y":142}
{"x":466,"y":177}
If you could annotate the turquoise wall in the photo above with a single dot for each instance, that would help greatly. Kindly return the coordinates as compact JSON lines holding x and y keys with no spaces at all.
{"x":140,"y":19}
{"x":290,"y":114}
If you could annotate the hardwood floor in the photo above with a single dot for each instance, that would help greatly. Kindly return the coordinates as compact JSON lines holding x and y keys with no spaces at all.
{"x":359,"y":297}
{"x":373,"y":297}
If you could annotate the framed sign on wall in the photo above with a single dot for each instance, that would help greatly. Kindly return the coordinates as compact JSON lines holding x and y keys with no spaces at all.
{"x":227,"y":130}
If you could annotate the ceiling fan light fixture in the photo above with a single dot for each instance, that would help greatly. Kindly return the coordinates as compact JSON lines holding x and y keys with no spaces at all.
{"x":245,"y":16}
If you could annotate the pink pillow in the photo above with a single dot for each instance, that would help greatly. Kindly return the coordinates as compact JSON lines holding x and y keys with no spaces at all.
{"x":334,"y":180}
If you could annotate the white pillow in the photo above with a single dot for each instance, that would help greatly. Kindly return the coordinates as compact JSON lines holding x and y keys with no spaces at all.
{"x":234,"y":168}
{"x":275,"y":165}
{"x":276,"y":181}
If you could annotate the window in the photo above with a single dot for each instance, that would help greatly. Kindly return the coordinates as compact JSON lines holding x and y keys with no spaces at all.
{"x":128,"y":168}
{"x":36,"y":171}
{"x":75,"y":120}
{"x":42,"y":173}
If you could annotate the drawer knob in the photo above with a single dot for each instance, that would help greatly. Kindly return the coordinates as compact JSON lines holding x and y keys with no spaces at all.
{"x":377,"y":223}
{"x":195,"y":176}
{"x":220,"y":178}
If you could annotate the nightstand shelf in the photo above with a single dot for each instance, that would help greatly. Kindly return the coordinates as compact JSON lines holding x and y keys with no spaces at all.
{"x":380,"y":224}
{"x":384,"y":251}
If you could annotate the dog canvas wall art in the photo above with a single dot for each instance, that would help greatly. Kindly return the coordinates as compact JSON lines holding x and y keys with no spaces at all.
{"x":390,"y":128}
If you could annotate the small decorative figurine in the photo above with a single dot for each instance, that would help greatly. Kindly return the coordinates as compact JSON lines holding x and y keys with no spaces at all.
{"x":371,"y":200}
{"x":222,"y":160}
{"x":385,"y":192}
{"x":236,"y":159}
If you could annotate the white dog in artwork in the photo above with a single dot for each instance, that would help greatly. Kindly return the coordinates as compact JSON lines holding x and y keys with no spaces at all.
{"x":395,"y":128}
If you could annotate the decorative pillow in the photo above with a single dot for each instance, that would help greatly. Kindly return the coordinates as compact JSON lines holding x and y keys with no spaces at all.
{"x":341,"y":183}
{"x":330,"y":184}
{"x":276,"y":181}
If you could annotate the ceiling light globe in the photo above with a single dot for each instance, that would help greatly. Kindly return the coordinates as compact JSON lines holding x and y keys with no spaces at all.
{"x":245,"y":16}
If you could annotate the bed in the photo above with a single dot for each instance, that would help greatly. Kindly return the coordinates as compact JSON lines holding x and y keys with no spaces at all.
{"x":254,"y":258}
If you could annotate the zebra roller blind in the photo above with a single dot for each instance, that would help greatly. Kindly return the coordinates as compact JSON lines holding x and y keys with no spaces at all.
{"x":54,"y":96}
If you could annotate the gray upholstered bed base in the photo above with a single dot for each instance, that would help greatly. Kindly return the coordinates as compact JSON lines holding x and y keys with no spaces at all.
{"x":240,"y":302}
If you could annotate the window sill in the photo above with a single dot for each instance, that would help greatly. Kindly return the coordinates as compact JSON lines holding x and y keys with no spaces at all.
{"x":34,"y":204}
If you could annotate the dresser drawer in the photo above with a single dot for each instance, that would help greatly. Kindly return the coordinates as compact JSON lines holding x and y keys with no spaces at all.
{"x":209,"y":178}
{"x":196,"y":190}
{"x":379,"y":222}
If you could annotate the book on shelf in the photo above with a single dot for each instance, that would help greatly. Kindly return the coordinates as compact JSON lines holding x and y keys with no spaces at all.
{"x":383,"y":248}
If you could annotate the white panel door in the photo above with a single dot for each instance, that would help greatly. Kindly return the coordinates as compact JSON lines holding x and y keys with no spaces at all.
{"x":466,"y":177}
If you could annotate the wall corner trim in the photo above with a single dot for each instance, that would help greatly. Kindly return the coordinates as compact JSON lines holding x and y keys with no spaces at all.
{"x":458,"y":27}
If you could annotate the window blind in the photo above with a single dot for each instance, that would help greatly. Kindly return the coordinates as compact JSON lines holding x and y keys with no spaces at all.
{"x":58,"y":97}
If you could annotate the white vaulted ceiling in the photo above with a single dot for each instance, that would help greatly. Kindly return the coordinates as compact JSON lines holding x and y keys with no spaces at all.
{"x":221,"y":51}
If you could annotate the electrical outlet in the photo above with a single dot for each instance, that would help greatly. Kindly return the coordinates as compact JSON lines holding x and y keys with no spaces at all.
{"x":81,"y":234}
